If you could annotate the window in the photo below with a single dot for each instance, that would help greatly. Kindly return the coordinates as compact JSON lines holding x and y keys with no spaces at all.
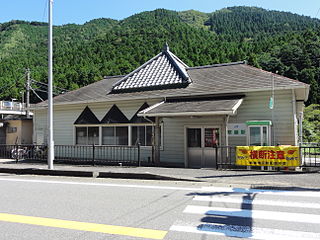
{"x":259,"y":136}
{"x":115,"y":135}
{"x":259,"y":132}
{"x":142,"y":134}
{"x":211,"y":137}
{"x":12,"y":129}
{"x":194,"y":137}
{"x":87,"y":135}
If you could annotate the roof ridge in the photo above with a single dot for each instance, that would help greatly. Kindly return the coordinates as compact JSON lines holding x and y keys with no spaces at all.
{"x":182,"y":72}
{"x":114,"y":76}
{"x":217,"y":65}
{"x":178,"y":59}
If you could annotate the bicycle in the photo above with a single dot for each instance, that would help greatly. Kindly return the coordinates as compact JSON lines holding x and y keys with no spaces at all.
{"x":19,"y":153}
{"x":37,"y":152}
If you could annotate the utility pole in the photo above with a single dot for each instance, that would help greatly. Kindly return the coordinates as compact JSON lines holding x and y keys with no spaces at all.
{"x":28,"y":94}
{"x":50,"y":99}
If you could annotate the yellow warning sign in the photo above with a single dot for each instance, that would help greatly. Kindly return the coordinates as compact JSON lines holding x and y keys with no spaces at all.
{"x":277,"y":156}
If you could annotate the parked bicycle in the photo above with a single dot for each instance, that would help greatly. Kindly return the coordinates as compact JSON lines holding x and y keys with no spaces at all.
{"x":19,"y":153}
{"x":36,"y":152}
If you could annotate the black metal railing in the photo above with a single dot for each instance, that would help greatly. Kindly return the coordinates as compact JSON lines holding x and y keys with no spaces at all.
{"x":24,"y":151}
{"x":112,"y":155}
{"x":310,"y":156}
{"x":225,"y":157}
{"x":78,"y":154}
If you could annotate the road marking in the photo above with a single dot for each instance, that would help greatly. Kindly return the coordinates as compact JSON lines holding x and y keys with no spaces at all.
{"x":261,"y":191}
{"x":226,"y":199}
{"x":101,"y":184}
{"x":246,"y":232}
{"x":83,"y":226}
{"x":254,"y":214}
{"x":216,"y":190}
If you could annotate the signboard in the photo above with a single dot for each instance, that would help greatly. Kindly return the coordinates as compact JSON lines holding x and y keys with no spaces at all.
{"x":279,"y":156}
{"x":237,"y":129}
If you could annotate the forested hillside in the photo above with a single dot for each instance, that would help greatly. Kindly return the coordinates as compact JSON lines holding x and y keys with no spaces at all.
{"x":271,"y":40}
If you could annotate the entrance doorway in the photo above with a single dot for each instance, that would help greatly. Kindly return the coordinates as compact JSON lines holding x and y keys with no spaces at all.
{"x":201,"y":143}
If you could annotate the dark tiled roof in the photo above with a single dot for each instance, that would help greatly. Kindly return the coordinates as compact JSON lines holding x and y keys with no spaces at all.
{"x":89,"y":93}
{"x":213,"y":106}
{"x":216,"y":79}
{"x":163,"y":71}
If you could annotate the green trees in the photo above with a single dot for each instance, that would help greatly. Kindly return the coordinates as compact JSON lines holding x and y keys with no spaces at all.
{"x":311,"y":123}
{"x":275,"y":41}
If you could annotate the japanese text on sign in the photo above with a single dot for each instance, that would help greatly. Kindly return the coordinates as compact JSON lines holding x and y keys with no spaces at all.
{"x":280,"y":156}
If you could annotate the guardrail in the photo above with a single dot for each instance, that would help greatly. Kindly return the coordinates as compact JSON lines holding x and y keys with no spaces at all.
{"x":310,"y":156}
{"x":11,"y":106}
{"x":77,"y":154}
{"x":225,"y":157}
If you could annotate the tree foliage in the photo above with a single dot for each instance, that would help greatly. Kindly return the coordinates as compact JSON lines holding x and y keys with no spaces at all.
{"x":311,"y":123}
{"x":275,"y":41}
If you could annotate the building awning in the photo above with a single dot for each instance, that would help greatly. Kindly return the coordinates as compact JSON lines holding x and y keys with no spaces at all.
{"x":176,"y":108}
{"x":259,"y":122}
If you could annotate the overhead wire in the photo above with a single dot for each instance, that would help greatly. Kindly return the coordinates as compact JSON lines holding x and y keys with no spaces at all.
{"x":36,"y":94}
{"x":317,"y":12}
{"x":44,"y":15}
{"x":45,"y":84}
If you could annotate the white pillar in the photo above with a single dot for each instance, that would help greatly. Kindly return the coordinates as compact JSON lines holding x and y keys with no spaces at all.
{"x":300,"y":128}
{"x":50,"y":99}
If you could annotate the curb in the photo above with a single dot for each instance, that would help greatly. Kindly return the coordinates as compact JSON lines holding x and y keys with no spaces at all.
{"x":90,"y":174}
{"x":47,"y":172}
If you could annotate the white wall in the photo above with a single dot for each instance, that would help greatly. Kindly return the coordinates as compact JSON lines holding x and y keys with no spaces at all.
{"x":254,"y":107}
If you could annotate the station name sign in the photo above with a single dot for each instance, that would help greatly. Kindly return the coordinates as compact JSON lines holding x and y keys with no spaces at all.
{"x":275,"y":156}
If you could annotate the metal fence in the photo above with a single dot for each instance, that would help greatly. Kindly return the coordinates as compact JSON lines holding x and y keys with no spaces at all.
{"x":310,"y":156}
{"x":226,"y":157}
{"x":77,"y":154}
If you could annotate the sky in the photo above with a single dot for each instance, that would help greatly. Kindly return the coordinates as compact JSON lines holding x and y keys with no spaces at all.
{"x":81,"y":11}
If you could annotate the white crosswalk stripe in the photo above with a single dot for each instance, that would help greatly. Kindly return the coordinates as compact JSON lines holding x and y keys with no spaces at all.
{"x":246,"y":232}
{"x":252,"y":214}
{"x":262,"y":191}
{"x":227,"y":199}
{"x":269,"y":215}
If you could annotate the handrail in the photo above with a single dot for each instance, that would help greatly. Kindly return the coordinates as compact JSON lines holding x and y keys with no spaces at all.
{"x":12,"y":106}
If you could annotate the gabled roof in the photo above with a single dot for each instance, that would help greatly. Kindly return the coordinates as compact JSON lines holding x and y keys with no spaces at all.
{"x":236,"y":78}
{"x":114,"y":115}
{"x":87,"y":117}
{"x":161,"y":72}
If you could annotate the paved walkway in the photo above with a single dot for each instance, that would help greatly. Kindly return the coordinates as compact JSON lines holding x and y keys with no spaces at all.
{"x":263,"y":179}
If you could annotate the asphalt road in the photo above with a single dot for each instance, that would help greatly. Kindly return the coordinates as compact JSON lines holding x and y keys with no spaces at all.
{"x":33,"y":207}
